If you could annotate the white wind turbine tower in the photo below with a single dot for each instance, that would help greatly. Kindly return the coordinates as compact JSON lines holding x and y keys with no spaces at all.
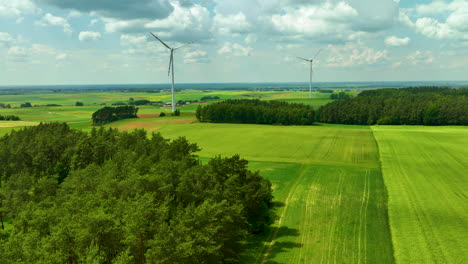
{"x":311,"y":62}
{"x":171,"y":66}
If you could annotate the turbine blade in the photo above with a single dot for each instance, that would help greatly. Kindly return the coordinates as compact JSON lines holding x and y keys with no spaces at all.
{"x":160,"y":41}
{"x":302,"y":59}
{"x":170,"y":64}
{"x":316,"y":54}
{"x":184,"y":45}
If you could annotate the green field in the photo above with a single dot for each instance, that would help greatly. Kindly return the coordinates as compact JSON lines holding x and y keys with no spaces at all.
{"x":331,"y":182}
{"x":99,"y":98}
{"x":425,"y":170}
{"x":327,"y":180}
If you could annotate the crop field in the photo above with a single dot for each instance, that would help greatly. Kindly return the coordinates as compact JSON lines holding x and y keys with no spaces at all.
{"x":331,"y":182}
{"x":99,"y":98}
{"x":327,"y":181}
{"x":425,"y":170}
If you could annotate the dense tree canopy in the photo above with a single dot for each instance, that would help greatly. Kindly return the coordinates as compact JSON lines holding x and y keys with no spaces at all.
{"x":256,"y":112}
{"x":9,"y":118}
{"x":140,"y":102}
{"x":110,"y":114}
{"x":406,"y":106}
{"x":209,"y":97}
{"x":27,"y":104}
{"x":122,"y":197}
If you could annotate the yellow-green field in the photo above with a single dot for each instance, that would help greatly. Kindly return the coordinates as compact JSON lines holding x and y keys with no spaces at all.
{"x":426,"y":173}
{"x":327,"y":180}
{"x":98,"y":98}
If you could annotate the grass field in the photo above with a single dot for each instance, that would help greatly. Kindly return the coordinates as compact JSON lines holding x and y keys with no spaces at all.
{"x":327,"y":181}
{"x":330,"y":181}
{"x":98,"y":98}
{"x":7,"y":126}
{"x":426,"y":173}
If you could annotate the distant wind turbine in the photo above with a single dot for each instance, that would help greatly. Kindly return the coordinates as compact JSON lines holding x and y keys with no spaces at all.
{"x":311,"y":62}
{"x":171,"y":66}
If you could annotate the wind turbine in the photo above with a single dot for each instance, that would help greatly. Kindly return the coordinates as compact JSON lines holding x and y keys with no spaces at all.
{"x":310,"y":80}
{"x":171,"y":66}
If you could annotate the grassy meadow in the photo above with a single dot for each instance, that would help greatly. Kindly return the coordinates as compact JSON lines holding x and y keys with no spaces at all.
{"x":425,"y":170}
{"x":331,"y":182}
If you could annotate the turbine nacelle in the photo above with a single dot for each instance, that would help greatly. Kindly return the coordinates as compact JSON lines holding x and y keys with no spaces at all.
{"x":171,"y":64}
{"x":311,"y":61}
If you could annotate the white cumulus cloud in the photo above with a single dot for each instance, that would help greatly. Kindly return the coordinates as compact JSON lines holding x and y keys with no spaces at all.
{"x":6,"y":39}
{"x":86,"y":36}
{"x":316,"y":21}
{"x":420,"y":57}
{"x":16,"y":8}
{"x":235,"y":49}
{"x":231,"y":24}
{"x":395,"y":41}
{"x":352,"y":55}
{"x":432,"y":23}
{"x":61,"y":56}
{"x":51,"y":20}
{"x":18,"y":54}
{"x":196,"y":56}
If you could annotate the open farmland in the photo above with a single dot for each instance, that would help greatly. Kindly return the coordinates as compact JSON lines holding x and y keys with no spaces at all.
{"x":330,"y":197}
{"x":425,"y":170}
{"x":327,"y":180}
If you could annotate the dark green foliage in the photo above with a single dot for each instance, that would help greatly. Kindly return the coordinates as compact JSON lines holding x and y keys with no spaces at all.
{"x":205,"y":98}
{"x":176,"y":113}
{"x":27,"y":104}
{"x":139,"y":102}
{"x":162,"y":114}
{"x":109,"y":114}
{"x":123,"y":197}
{"x":406,"y":106}
{"x":53,"y":105}
{"x":79,"y":104}
{"x":2,"y":105}
{"x":340,"y":95}
{"x":325,"y":91}
{"x":256,"y":112}
{"x":9,"y":118}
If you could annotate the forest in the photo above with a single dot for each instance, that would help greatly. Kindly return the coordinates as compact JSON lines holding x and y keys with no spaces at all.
{"x":9,"y":118}
{"x":106,"y":196}
{"x":406,"y":106}
{"x":109,"y":114}
{"x":256,"y":112}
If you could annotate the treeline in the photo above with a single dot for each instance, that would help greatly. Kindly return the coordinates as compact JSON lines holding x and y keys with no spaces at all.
{"x":9,"y":118}
{"x":340,"y":95}
{"x":106,"y":196}
{"x":256,"y":112}
{"x":109,"y":114}
{"x":405,"y":106}
{"x":209,"y":97}
{"x":25,"y":105}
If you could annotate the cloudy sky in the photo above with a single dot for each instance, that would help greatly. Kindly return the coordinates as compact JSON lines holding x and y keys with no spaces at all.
{"x":107,"y":41}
